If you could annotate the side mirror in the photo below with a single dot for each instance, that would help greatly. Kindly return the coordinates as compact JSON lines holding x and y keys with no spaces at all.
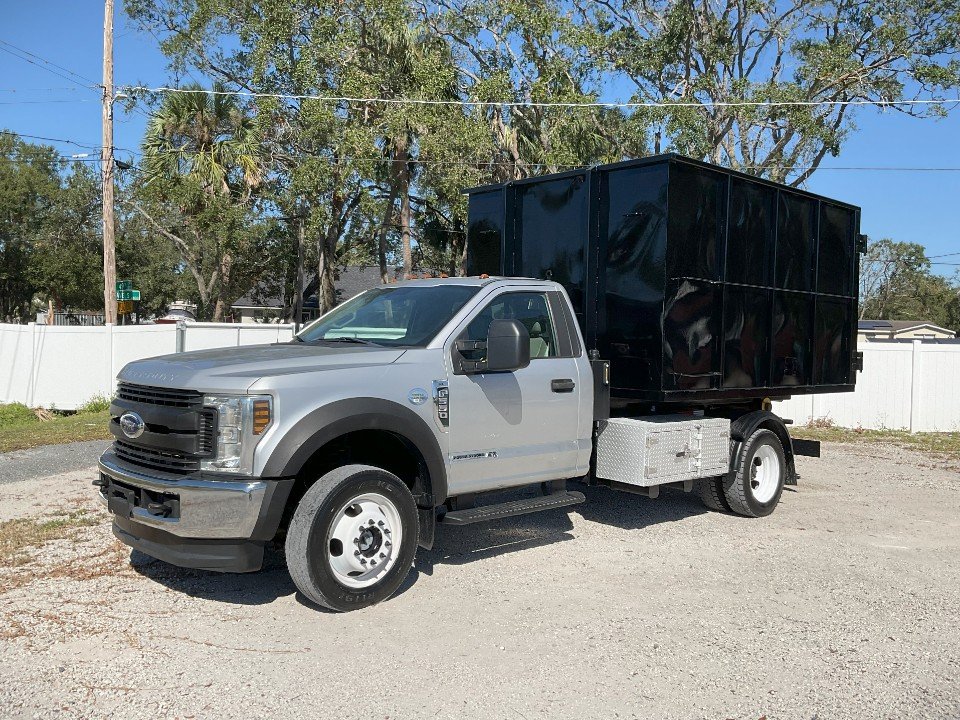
{"x":508,"y":346}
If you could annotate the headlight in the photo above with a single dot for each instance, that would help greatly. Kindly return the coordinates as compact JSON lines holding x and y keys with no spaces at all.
{"x":241,"y":422}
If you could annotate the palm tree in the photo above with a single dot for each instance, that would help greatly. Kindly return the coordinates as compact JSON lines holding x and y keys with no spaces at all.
{"x":200,"y":140}
{"x":206,"y":137}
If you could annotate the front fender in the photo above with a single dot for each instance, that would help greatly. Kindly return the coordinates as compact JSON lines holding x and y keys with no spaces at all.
{"x":338,"y":418}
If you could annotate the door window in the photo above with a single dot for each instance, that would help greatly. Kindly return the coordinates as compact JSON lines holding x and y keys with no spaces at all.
{"x":530,"y":309}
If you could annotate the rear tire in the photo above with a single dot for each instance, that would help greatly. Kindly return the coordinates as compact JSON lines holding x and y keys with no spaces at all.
{"x":711,"y":494}
{"x":761,"y":471}
{"x":353,"y":538}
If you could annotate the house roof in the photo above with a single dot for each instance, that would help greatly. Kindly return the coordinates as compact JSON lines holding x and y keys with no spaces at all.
{"x":898,"y":326}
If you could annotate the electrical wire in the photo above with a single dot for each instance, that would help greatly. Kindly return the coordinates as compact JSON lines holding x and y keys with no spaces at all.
{"x":86,"y":84}
{"x":45,"y":102}
{"x":523,"y":103}
{"x":87,"y":80}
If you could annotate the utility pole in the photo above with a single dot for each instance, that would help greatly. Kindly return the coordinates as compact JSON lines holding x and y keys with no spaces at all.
{"x":106,"y":156}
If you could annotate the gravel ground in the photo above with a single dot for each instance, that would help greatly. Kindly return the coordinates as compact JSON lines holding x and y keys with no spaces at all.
{"x":843,"y":604}
{"x":49,"y":460}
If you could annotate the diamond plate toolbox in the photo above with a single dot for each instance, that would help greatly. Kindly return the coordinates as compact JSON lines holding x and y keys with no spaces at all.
{"x":662,"y":449}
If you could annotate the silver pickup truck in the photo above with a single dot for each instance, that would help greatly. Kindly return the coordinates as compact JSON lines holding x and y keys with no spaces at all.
{"x":393,"y":412}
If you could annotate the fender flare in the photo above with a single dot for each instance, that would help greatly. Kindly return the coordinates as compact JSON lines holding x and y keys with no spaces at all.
{"x":339,"y":418}
{"x":745,"y":425}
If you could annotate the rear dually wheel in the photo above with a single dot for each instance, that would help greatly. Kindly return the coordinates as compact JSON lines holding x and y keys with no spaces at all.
{"x":755,"y":487}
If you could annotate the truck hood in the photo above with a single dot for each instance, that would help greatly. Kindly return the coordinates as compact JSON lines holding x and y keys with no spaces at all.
{"x":235,"y":369}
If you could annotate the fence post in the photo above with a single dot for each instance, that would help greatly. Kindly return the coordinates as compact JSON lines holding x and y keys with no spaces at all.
{"x":111,"y":372}
{"x":915,"y":402}
{"x":32,"y":377}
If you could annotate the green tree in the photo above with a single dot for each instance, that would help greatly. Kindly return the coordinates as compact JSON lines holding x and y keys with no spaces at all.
{"x":897,"y":283}
{"x":201,"y":171}
{"x":67,"y":262}
{"x":29,"y":184}
{"x":705,"y":54}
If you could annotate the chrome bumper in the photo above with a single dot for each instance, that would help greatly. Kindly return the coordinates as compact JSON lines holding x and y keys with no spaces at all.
{"x":214,"y":509}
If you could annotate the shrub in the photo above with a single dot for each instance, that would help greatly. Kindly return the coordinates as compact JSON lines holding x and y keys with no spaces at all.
{"x":16,"y":414}
{"x":98,"y":403}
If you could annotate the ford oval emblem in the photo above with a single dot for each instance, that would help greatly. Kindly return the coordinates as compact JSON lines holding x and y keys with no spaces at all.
{"x":132,"y":425}
{"x":417,"y":396}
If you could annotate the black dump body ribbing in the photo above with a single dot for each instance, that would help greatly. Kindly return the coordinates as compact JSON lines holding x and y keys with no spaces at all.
{"x":699,"y":284}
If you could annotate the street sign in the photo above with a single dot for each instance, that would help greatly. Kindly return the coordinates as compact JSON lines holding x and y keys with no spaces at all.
{"x":128,"y":295}
{"x":135,"y":295}
{"x":123,"y":285}
{"x":124,"y":307}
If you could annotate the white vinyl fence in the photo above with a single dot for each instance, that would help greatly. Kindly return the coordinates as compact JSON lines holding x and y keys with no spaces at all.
{"x":904,"y":386}
{"x":62,"y":367}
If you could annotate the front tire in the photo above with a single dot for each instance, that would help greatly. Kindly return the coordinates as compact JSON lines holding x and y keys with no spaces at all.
{"x":353,"y":538}
{"x":761,"y":472}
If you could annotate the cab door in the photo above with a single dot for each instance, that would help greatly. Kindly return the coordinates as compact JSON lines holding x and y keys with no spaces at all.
{"x":515,"y":428}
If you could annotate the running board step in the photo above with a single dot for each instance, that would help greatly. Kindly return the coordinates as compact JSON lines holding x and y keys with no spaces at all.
{"x":515,"y":507}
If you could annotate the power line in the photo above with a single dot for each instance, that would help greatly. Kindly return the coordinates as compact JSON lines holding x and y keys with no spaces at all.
{"x":50,"y":139}
{"x":72,"y":88}
{"x":45,"y":102}
{"x":494,"y":163}
{"x":85,"y":146}
{"x":86,"y":81}
{"x":522,"y":103}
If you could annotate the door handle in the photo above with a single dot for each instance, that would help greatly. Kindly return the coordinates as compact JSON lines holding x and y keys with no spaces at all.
{"x":562,"y":385}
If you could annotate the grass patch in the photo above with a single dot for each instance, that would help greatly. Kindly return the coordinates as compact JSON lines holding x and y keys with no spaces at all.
{"x":20,"y":534}
{"x":946,"y":444}
{"x":62,"y":429}
{"x":16,"y":414}
{"x":98,"y":403}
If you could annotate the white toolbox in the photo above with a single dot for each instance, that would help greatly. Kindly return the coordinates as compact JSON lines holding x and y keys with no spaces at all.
{"x":662,"y":449}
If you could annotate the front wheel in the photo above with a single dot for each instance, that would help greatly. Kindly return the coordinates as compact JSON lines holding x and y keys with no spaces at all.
{"x":352,"y":538}
{"x":761,"y":471}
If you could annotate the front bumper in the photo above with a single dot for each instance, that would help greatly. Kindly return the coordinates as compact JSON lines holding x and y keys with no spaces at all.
{"x":191,"y":521}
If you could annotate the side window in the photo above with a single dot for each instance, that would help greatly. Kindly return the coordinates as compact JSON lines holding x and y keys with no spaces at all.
{"x":530,"y":309}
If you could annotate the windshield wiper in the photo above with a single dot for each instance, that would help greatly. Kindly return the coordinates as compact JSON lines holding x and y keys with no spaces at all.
{"x":355,"y":340}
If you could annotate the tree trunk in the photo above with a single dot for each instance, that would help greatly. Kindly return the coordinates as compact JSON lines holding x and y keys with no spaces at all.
{"x":220,"y":309}
{"x":328,"y":293}
{"x":327,"y":248}
{"x":402,"y":157}
{"x":385,"y":228}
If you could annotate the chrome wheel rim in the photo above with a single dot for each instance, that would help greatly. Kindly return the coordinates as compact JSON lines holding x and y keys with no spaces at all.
{"x":364,"y":540}
{"x":765,"y":474}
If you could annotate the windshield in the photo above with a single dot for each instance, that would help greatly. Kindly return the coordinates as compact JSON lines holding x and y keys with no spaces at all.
{"x":406,"y":316}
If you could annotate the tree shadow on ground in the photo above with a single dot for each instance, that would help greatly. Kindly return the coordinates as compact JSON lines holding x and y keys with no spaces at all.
{"x":453,"y":544}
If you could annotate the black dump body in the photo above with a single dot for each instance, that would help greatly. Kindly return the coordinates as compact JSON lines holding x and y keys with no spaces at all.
{"x":700,"y":285}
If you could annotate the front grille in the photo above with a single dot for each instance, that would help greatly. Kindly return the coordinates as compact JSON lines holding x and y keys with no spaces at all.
{"x":157,"y":459}
{"x":159,"y":396}
{"x":207,"y":435}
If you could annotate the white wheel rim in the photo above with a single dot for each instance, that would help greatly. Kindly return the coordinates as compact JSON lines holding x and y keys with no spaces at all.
{"x":364,"y":541}
{"x":765,"y":474}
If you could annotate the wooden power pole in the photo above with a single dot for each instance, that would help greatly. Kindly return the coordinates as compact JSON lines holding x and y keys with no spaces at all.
{"x":106,"y":156}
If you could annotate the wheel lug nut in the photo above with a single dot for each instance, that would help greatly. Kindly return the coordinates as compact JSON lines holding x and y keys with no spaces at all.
{"x":363,"y":561}
{"x":386,"y":531}
{"x":357,"y":553}
{"x":371,"y":521}
{"x":380,"y":523}
{"x":387,"y":543}
{"x":373,"y":562}
{"x":382,"y":556}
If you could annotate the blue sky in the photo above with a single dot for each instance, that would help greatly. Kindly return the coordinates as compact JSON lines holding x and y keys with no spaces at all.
{"x":904,"y":205}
